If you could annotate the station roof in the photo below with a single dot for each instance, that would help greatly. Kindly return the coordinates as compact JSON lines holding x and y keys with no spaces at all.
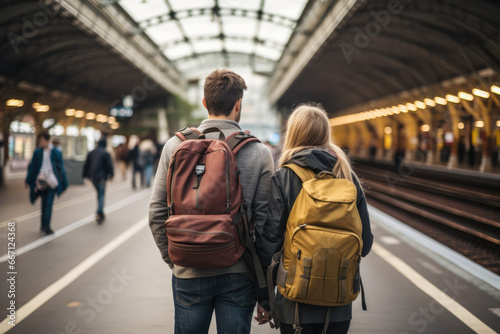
{"x":82,"y":51}
{"x":200,"y":34}
{"x":374,"y":50}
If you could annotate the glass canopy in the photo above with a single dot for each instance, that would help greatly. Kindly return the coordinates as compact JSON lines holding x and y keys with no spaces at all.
{"x":200,"y":34}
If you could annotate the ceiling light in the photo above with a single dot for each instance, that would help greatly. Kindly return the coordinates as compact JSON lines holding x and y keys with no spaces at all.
{"x":14,"y":103}
{"x":466,"y":96}
{"x":498,"y":124}
{"x":42,"y":108}
{"x":425,"y":128}
{"x":402,"y":108}
{"x":90,"y":116}
{"x":440,"y":100}
{"x":395,"y":110}
{"x":36,"y":105}
{"x":452,"y":98}
{"x":479,"y":124}
{"x":461,"y":125}
{"x":70,"y":112}
{"x":495,"y":89}
{"x":388,"y":130}
{"x":112,"y":119}
{"x":115,"y":126}
{"x":79,"y":113}
{"x":430,"y":102}
{"x":480,"y":93}
{"x":420,"y":104}
{"x":411,"y":106}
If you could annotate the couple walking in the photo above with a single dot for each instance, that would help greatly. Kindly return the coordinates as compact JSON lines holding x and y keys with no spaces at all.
{"x":268,"y":196}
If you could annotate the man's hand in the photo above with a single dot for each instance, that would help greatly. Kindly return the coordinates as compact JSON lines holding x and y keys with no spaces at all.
{"x":263,"y":316}
{"x":26,"y":186}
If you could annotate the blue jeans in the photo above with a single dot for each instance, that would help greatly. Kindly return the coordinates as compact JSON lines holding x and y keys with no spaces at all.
{"x":100,"y":187}
{"x":47,"y":203}
{"x":230,"y":295}
{"x":148,"y":173}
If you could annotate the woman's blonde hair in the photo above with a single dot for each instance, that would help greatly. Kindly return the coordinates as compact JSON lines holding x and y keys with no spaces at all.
{"x":308,"y":125}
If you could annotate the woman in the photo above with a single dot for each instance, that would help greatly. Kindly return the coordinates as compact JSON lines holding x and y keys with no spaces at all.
{"x":308,"y":144}
{"x":46,"y":178}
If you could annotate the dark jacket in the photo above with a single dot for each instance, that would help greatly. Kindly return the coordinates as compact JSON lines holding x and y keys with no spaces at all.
{"x":34,"y":169}
{"x":285,"y":187}
{"x":98,"y":164}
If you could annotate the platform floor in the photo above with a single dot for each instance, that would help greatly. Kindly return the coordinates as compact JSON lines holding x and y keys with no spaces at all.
{"x":109,"y":278}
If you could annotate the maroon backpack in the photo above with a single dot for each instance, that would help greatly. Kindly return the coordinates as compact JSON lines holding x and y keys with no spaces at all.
{"x":208,"y":224}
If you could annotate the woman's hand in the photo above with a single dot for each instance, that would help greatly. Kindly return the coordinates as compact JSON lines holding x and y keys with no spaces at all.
{"x":263,"y":316}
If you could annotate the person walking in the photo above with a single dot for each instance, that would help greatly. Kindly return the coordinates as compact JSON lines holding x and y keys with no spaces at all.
{"x":228,"y":290}
{"x":46,"y":178}
{"x":99,"y":168}
{"x":122,"y":155}
{"x":147,"y":157}
{"x":133,"y":157}
{"x":308,"y":149}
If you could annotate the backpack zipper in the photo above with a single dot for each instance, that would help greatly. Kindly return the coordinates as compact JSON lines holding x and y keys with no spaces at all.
{"x":228,"y":204}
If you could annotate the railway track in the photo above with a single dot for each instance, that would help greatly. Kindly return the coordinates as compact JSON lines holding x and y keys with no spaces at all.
{"x":464,"y":216}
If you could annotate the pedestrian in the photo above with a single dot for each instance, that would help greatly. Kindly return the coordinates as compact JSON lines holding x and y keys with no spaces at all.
{"x":229,"y":290}
{"x":147,"y":157}
{"x":122,"y":155}
{"x":400,"y":147}
{"x":308,"y":149}
{"x":46,"y":177}
{"x":133,"y":157}
{"x":98,"y":168}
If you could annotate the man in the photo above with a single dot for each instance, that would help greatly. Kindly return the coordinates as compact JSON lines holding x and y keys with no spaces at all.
{"x":99,"y":168}
{"x":46,"y":178}
{"x":229,"y":291}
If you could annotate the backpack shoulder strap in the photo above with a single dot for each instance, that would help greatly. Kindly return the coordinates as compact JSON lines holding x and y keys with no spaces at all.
{"x":305,"y":174}
{"x":237,"y":140}
{"x":188,"y":133}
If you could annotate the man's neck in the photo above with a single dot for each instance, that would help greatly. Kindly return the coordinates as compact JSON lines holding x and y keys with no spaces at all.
{"x":221,"y":118}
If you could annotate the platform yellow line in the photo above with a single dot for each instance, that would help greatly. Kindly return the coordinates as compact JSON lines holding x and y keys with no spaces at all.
{"x":427,"y":287}
{"x":44,"y":296}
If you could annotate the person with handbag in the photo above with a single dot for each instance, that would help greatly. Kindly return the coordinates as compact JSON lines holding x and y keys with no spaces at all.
{"x":46,"y":177}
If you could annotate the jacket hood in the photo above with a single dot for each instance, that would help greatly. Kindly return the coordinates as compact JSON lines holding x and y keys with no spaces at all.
{"x":314,"y":158}
{"x":102,"y":142}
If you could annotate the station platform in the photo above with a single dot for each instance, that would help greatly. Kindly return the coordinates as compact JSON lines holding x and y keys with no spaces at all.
{"x":110,"y":278}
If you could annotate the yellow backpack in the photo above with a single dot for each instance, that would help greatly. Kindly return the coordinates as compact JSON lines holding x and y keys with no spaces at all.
{"x":319,"y":263}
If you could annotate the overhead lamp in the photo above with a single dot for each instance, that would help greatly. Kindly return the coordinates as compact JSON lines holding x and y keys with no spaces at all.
{"x":495,"y":89}
{"x":115,"y":126}
{"x":430,"y":102}
{"x":90,"y":116}
{"x":453,"y":98}
{"x":411,"y":106}
{"x":14,"y":103}
{"x":425,"y":128}
{"x":70,"y":112}
{"x":402,"y":108}
{"x":479,"y":124}
{"x":36,"y":105}
{"x":461,"y":125}
{"x":395,"y":110}
{"x":480,"y":93}
{"x":102,"y":118}
{"x":440,"y":100}
{"x":42,"y":108}
{"x":79,"y":113}
{"x":111,"y":119}
{"x":420,"y":104}
{"x":498,"y":124}
{"x":466,"y":96}
{"x":388,"y":130}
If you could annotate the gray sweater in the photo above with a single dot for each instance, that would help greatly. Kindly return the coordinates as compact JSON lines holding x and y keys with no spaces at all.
{"x":256,"y":165}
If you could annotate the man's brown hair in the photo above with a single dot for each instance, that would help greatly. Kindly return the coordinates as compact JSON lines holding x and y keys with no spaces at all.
{"x":223,"y":88}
